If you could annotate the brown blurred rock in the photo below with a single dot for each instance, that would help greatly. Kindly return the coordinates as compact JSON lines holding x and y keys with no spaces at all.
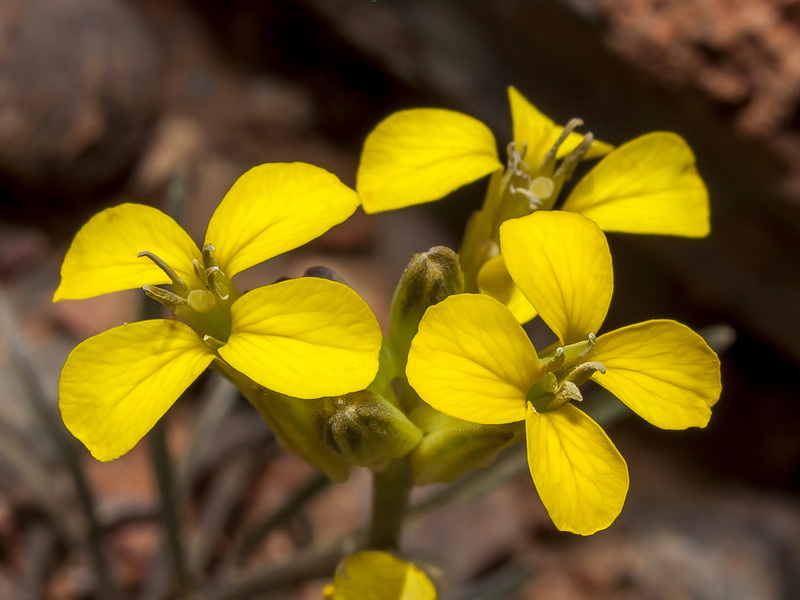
{"x":78,"y":94}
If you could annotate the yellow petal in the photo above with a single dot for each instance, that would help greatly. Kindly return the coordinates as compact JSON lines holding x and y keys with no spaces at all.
{"x":562,"y":264}
{"x":537,"y":132}
{"x":471,"y":360}
{"x":581,"y":477}
{"x":649,"y":185}
{"x":375,"y":575}
{"x":306,"y":338}
{"x":116,"y":385}
{"x":103,"y":256}
{"x":420,"y":155}
{"x":274,"y":208}
{"x":661,"y":370}
{"x":494,"y":280}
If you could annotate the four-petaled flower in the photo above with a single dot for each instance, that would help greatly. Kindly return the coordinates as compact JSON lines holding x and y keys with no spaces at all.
{"x":471,"y":359}
{"x":648,"y":185}
{"x":305,"y":337}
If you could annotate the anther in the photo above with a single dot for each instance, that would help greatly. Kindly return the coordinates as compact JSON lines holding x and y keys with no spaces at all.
{"x":584,"y":371}
{"x":208,"y":258}
{"x":553,"y":363}
{"x":170,"y":300}
{"x":177,"y":282}
{"x":550,"y":157}
{"x":515,"y":162}
{"x":571,"y":160}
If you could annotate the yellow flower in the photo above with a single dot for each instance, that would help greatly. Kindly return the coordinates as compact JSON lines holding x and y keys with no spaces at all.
{"x":472,"y":360}
{"x":378,"y":575}
{"x":304,"y":337}
{"x":649,"y":185}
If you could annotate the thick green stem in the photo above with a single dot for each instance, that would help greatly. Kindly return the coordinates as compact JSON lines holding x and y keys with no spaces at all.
{"x":390,"y":493}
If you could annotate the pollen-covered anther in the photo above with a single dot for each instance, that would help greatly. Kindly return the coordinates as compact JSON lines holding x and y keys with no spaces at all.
{"x":581,"y":373}
{"x":208,"y":256}
{"x":177,"y":282}
{"x":516,"y":165}
{"x":566,"y":392}
{"x":169,"y":299}
{"x":550,"y":157}
{"x":553,"y":363}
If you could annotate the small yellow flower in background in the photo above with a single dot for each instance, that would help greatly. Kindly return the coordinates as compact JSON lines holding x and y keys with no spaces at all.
{"x":472,"y":360}
{"x":377,"y":575}
{"x":421,"y":155}
{"x":648,"y":185}
{"x":305,"y":337}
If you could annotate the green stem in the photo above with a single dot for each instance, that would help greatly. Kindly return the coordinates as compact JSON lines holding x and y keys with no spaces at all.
{"x":390,"y":494}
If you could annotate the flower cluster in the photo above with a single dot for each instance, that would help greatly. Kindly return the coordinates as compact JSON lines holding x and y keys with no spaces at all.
{"x":457,"y":378}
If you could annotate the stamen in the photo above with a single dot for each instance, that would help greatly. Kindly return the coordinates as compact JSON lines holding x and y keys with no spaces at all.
{"x":199,"y":271}
{"x":571,"y":160}
{"x":515,"y":163}
{"x":208,"y":258}
{"x":177,"y":282}
{"x":170,"y":300}
{"x":534,"y":202}
{"x":218,"y":283}
{"x":583,"y":372}
{"x":567,"y":391}
{"x":550,"y":157}
{"x":553,"y":363}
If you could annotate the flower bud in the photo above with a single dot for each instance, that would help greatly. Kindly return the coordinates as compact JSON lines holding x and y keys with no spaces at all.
{"x":428,"y":279}
{"x":452,"y":447}
{"x":367,"y":430}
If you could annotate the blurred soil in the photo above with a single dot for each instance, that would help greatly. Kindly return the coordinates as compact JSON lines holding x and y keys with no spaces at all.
{"x":146,"y":100}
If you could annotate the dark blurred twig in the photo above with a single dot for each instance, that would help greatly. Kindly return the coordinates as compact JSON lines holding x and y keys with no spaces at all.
{"x":292,"y":506}
{"x":255,"y":583}
{"x":41,"y":408}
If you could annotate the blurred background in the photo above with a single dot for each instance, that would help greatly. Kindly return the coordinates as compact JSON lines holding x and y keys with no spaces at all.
{"x":110,"y":101}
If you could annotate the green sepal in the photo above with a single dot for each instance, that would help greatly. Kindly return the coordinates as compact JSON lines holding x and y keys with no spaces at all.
{"x":452,"y":447}
{"x":366,"y":430}
{"x":429,"y":278}
{"x":293,"y":421}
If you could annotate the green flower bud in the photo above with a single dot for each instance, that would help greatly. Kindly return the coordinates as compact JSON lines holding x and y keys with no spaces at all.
{"x":428,"y":279}
{"x":452,"y":447}
{"x":366,"y":430}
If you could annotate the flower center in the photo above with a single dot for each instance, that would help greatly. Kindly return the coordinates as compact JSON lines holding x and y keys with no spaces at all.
{"x":540,"y":184}
{"x":564,"y":370}
{"x":206,"y":309}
